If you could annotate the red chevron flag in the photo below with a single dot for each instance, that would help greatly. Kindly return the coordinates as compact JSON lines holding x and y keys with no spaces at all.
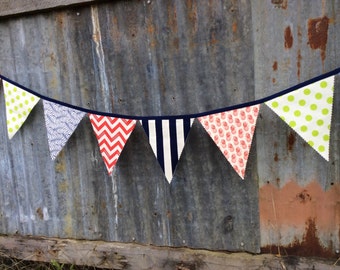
{"x":112,"y":134}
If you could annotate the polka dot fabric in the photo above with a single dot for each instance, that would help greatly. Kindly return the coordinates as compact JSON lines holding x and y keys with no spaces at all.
{"x":19,"y":104}
{"x":233,"y":131}
{"x":308,"y":111}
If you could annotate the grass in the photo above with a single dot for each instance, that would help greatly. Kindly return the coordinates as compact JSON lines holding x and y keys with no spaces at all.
{"x":9,"y":263}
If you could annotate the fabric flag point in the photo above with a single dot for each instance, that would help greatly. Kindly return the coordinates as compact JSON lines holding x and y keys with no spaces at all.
{"x":167,"y":138}
{"x":19,"y":104}
{"x":308,"y":111}
{"x":112,"y":134}
{"x":60,"y":123}
{"x":233,"y":131}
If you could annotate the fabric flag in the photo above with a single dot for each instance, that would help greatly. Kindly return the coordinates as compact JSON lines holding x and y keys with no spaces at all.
{"x":60,"y":123}
{"x":19,"y":104}
{"x":167,"y":138}
{"x":233,"y":131}
{"x":112,"y":134}
{"x":308,"y":111}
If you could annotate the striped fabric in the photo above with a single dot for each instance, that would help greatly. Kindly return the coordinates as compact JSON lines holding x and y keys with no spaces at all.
{"x":167,"y":138}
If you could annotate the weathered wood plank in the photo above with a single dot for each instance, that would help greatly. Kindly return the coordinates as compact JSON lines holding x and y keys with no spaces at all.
{"x":133,"y":256}
{"x":10,"y":7}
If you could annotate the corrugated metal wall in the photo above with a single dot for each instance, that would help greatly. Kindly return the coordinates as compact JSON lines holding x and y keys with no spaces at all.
{"x":167,"y":58}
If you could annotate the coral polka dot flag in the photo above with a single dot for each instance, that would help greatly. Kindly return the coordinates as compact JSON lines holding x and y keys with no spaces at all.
{"x":19,"y":104}
{"x":233,"y":131}
{"x":112,"y":134}
{"x":308,"y":111}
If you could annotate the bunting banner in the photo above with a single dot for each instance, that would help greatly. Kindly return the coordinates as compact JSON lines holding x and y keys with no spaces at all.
{"x":233,"y":131}
{"x":306,"y":108}
{"x":60,"y":123}
{"x":167,"y":138}
{"x":19,"y":104}
{"x":308,"y":111}
{"x":112,"y":134}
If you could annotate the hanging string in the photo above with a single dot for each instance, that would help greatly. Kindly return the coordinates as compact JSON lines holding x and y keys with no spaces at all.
{"x":184,"y":116}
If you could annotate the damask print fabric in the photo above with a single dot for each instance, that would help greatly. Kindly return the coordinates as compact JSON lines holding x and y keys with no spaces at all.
{"x":233,"y":132}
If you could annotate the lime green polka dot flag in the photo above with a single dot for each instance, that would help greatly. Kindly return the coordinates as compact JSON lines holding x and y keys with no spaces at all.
{"x":19,"y":104}
{"x":308,"y":111}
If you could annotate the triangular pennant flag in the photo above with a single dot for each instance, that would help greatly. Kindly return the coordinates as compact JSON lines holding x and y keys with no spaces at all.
{"x":112,"y":134}
{"x":233,"y":131}
{"x":308,"y":111}
{"x":167,"y":138}
{"x":60,"y":123}
{"x":19,"y":104}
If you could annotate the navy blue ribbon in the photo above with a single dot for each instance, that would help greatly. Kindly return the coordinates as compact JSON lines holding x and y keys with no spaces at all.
{"x":228,"y":108}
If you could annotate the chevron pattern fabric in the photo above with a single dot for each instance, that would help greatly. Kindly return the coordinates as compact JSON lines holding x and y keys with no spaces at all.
{"x":167,"y":138}
{"x":60,"y":123}
{"x":112,"y":134}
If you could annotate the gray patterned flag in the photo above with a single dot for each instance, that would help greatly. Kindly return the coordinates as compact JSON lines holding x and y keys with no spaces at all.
{"x":60,"y":123}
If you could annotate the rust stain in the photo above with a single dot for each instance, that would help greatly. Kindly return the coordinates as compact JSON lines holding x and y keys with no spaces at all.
{"x":284,"y":4}
{"x":303,"y":196}
{"x":273,"y":80}
{"x":234,"y":27}
{"x":151,"y":28}
{"x":115,"y":33}
{"x":307,"y":216}
{"x":176,"y":43}
{"x":213,"y":40}
{"x":288,"y":38}
{"x":318,"y":34}
{"x":291,"y":141}
{"x":63,"y":186}
{"x":172,"y":18}
{"x":172,"y":25}
{"x":310,"y":245}
{"x":275,"y":66}
{"x":280,"y":3}
{"x":192,"y":14}
{"x":60,"y":165}
{"x":298,"y":63}
{"x":278,"y":180}
{"x":40,"y":213}
{"x":276,"y":157}
{"x":299,"y":56}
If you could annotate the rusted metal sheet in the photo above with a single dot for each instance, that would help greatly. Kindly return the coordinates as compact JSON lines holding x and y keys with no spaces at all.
{"x":299,"y":191}
{"x":162,"y":58}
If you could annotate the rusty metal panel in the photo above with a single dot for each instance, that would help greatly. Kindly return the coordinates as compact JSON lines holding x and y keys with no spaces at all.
{"x":161,"y":58}
{"x":299,"y":190}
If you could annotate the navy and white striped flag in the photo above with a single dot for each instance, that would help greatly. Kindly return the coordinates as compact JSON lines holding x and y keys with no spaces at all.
{"x":167,"y":138}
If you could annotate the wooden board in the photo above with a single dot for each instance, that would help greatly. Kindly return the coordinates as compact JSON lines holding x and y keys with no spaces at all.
{"x":10,"y":7}
{"x":133,"y":256}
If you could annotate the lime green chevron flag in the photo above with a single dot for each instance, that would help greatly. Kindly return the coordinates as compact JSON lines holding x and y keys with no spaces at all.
{"x":308,"y":111}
